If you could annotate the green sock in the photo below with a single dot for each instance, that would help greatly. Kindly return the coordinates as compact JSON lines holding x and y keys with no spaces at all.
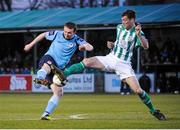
{"x":75,"y":68}
{"x":147,"y":101}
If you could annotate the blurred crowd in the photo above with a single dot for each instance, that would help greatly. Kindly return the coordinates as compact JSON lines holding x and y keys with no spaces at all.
{"x":13,"y":5}
{"x":161,"y":51}
{"x":13,"y":62}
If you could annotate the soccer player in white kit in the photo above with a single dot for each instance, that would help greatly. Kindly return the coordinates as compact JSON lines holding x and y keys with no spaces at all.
{"x":128,"y":37}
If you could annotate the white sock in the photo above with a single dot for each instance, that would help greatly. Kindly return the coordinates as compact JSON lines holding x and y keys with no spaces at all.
{"x":41,"y":74}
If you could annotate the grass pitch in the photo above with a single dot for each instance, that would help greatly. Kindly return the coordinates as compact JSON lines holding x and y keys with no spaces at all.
{"x":88,"y":111}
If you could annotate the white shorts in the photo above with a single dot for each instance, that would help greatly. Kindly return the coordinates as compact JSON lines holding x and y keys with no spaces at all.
{"x":114,"y":64}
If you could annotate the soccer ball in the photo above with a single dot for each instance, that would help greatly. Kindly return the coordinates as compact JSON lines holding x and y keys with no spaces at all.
{"x":56,"y":80}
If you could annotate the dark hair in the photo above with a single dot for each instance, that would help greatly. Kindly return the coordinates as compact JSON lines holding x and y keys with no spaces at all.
{"x":71,"y":25}
{"x":129,"y":13}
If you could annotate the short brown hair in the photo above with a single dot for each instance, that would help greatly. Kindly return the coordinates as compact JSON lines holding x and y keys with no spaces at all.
{"x":129,"y":13}
{"x":71,"y":25}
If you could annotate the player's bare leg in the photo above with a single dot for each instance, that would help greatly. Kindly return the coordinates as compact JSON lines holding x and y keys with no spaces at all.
{"x":134,"y":85}
{"x":93,"y":62}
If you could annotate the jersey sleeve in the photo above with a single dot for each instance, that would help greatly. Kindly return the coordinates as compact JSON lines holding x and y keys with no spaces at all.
{"x":51,"y":35}
{"x":79,"y":40}
{"x":138,"y":42}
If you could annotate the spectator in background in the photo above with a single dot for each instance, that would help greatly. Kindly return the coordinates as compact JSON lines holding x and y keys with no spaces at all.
{"x":125,"y":88}
{"x":176,"y":59}
{"x":110,"y":41}
{"x":167,"y":61}
{"x":17,"y":70}
{"x":159,"y":43}
{"x":8,"y":70}
{"x":2,"y":71}
{"x":6,"y":5}
{"x":168,"y":85}
{"x":26,"y":71}
{"x":161,"y":83}
{"x":165,"y":53}
{"x":145,"y":82}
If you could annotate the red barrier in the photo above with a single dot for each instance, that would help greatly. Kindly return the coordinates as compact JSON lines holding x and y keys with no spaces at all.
{"x":15,"y":83}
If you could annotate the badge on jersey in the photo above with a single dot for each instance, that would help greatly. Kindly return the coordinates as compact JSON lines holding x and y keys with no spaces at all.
{"x":51,"y":32}
{"x":70,"y":45}
{"x":80,"y":39}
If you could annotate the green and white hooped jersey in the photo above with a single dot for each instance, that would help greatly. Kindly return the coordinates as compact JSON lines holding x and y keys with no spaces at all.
{"x":126,"y":41}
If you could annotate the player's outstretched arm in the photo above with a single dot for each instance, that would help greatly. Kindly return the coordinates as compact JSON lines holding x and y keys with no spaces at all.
{"x":39,"y":38}
{"x":86,"y":47}
{"x":143,"y":40}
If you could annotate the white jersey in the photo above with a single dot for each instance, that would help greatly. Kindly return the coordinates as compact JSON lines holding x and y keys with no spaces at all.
{"x":126,"y":41}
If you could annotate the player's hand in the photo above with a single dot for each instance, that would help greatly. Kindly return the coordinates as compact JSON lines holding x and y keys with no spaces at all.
{"x":110,"y":44}
{"x":82,"y":48}
{"x":138,"y":29}
{"x":86,"y":47}
{"x":27,"y":47}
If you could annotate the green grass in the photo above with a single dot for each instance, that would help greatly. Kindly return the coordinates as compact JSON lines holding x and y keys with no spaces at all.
{"x":96,"y":111}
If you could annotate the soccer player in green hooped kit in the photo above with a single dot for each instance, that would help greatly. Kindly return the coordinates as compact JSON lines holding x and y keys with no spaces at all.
{"x":118,"y":60}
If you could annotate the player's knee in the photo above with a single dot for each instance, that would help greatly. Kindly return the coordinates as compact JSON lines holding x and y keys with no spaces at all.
{"x":46,"y":67}
{"x":138,"y":91}
{"x":59,"y":93}
{"x":57,"y":90}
